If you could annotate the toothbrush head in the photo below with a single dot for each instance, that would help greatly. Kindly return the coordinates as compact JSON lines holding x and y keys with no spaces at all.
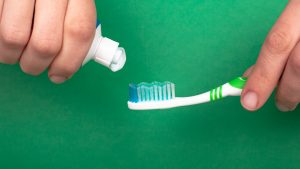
{"x":151,"y":92}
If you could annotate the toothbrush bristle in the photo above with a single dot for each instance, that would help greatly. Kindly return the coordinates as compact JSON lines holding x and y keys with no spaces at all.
{"x":155,"y":91}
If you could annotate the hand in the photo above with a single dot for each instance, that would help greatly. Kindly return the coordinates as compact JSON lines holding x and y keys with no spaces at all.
{"x":278,"y":65}
{"x":41,"y":34}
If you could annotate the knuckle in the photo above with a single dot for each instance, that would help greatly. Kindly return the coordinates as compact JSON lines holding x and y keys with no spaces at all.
{"x":81,"y":31}
{"x":46,"y":47}
{"x":279,"y":41}
{"x":14,"y":37}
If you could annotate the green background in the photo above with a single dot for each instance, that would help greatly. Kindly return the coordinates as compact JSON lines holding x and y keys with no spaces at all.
{"x":197,"y":44}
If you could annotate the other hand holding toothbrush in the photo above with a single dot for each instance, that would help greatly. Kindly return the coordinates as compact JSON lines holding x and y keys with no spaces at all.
{"x":41,"y":34}
{"x":278,"y":65}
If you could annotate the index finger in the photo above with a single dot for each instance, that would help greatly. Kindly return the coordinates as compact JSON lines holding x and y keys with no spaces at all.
{"x":273,"y":57}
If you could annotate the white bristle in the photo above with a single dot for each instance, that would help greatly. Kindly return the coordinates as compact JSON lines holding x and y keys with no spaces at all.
{"x":139,"y":94}
{"x":164,"y":92}
{"x":155,"y":93}
{"x":173,"y":90}
{"x":169,"y":90}
{"x":151,"y":93}
{"x":147,"y":93}
{"x":143,"y":93}
{"x":160,"y":93}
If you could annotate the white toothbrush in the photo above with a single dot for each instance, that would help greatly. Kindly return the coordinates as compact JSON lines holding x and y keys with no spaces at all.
{"x":150,"y":96}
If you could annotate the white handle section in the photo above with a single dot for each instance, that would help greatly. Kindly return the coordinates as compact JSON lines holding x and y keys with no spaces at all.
{"x":177,"y":102}
{"x":228,"y":90}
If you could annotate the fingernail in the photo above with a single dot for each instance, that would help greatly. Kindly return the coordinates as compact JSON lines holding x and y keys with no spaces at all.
{"x":250,"y":101}
{"x":295,"y":107}
{"x":58,"y":79}
{"x":285,"y":108}
{"x":282,"y":107}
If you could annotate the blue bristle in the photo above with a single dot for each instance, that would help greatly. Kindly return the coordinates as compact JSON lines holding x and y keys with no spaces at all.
{"x":133,"y":97}
{"x":97,"y":23}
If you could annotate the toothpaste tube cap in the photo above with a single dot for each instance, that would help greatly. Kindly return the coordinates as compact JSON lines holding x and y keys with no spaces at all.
{"x":106,"y":52}
{"x":110,"y":55}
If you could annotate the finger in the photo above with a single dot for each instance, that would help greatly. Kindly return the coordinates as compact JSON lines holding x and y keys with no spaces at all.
{"x":47,"y":36}
{"x":273,"y":57}
{"x":79,"y":31}
{"x":15,"y":29}
{"x":288,"y":93}
{"x":248,"y":72}
{"x":1,"y":7}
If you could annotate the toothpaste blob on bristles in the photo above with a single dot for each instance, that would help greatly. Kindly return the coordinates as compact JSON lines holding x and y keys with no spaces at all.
{"x":151,"y":92}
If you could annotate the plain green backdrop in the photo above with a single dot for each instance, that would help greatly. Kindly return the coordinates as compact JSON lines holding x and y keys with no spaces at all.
{"x":197,"y":44}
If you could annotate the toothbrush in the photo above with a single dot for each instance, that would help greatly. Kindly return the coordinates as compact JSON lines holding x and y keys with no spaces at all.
{"x":156,"y":95}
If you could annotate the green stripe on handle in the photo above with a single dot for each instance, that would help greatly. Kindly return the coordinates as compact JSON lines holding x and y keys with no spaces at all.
{"x":216,"y":94}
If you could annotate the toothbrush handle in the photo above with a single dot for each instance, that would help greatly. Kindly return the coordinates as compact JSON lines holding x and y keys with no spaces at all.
{"x":232,"y":88}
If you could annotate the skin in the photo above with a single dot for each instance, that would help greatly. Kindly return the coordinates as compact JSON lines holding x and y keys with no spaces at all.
{"x":278,"y":65}
{"x":47,"y":34}
{"x":57,"y":34}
